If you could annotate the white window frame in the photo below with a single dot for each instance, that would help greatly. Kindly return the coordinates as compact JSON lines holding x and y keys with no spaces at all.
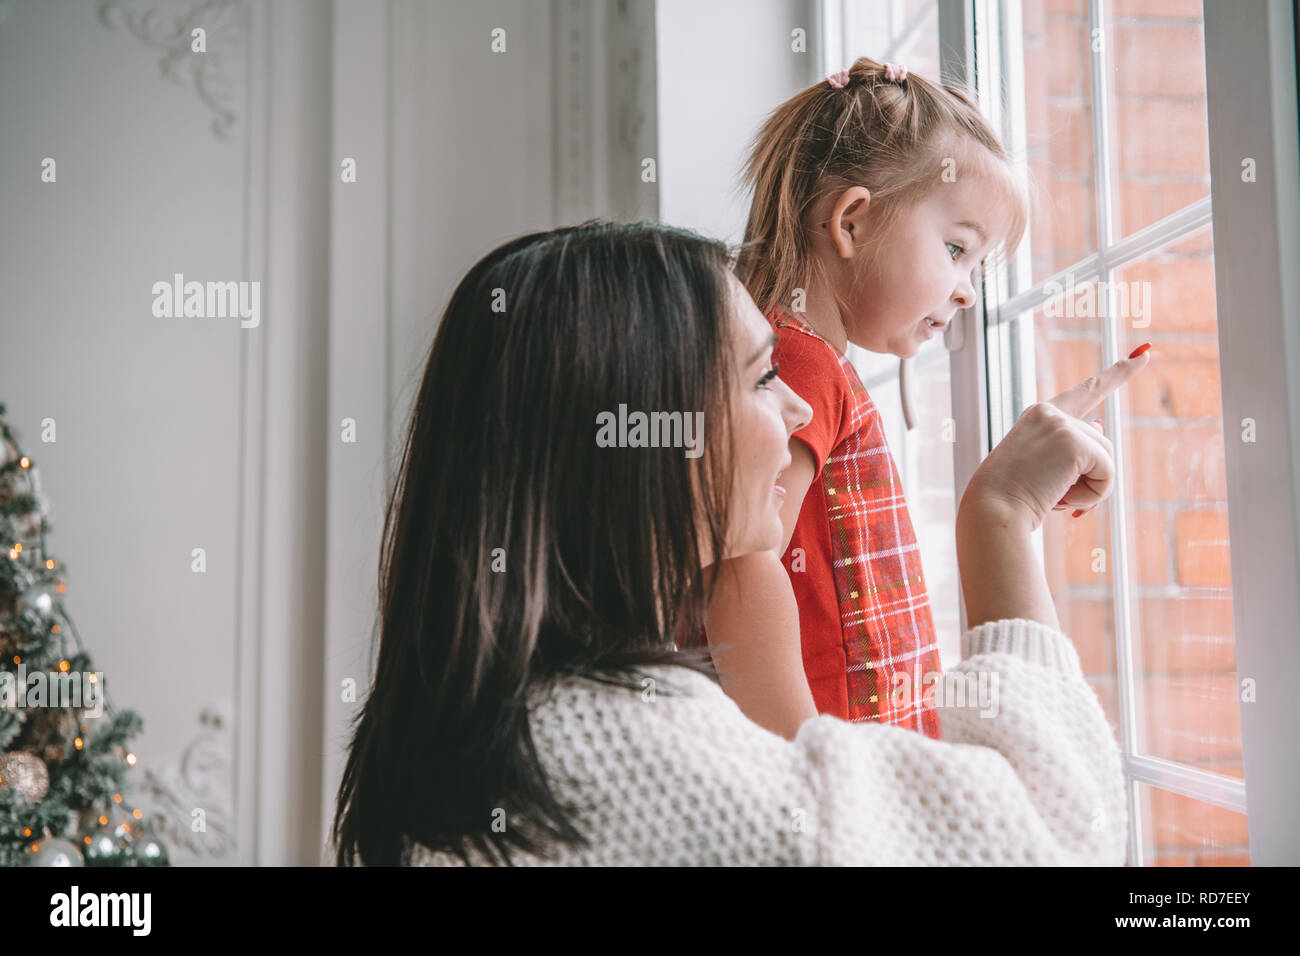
{"x":1251,"y":106}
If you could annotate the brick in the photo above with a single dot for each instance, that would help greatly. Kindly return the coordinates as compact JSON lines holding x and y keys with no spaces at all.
{"x":1162,"y":9}
{"x":1182,"y":465}
{"x":1073,"y":360}
{"x":1069,"y":137}
{"x":1090,"y":622}
{"x":1068,"y":63}
{"x":1181,"y":381}
{"x":1181,"y":294}
{"x":1158,"y":60}
{"x":1179,"y":822}
{"x":1219,"y":858}
{"x":1077,"y":9}
{"x":1033,"y":19}
{"x":1191,"y":718}
{"x":1201,"y":548}
{"x":1184,"y":634}
{"x":1158,"y":137}
{"x":1143,"y":202}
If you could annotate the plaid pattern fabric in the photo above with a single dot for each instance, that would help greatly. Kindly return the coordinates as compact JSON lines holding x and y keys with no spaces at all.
{"x":884,"y":649}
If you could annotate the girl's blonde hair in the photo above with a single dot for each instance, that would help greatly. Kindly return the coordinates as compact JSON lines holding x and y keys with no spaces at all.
{"x":891,"y":137}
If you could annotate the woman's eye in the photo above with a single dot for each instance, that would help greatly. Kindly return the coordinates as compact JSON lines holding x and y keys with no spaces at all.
{"x":951,"y":246}
{"x":769,"y":375}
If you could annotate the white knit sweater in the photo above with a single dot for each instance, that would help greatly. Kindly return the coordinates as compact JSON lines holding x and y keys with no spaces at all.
{"x":689,"y":780}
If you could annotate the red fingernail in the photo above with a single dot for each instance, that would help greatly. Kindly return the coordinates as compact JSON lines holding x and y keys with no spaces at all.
{"x":1139,"y":350}
{"x":1077,"y":513}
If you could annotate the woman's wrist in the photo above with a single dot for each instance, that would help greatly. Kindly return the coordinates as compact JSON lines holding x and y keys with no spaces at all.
{"x":1001,"y":575}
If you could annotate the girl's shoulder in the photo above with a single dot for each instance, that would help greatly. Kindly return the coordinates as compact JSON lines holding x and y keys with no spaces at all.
{"x":807,"y":359}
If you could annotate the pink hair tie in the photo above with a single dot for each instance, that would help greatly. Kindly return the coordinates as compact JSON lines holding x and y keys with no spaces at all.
{"x":838,"y":80}
{"x":895,"y":72}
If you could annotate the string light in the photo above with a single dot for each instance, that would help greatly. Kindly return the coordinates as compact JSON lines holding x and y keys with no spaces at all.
{"x":130,"y":759}
{"x":25,"y":462}
{"x":64,"y":665}
{"x":77,"y":743}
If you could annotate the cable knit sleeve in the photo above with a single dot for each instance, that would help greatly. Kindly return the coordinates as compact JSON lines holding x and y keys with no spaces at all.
{"x":1027,"y":773}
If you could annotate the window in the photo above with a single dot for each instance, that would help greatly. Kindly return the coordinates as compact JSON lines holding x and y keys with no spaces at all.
{"x":1110,"y":111}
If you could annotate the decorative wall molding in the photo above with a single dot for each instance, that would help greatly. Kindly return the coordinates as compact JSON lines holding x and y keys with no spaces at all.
{"x":199,"y":779}
{"x":168,"y":27}
{"x":604,"y":109}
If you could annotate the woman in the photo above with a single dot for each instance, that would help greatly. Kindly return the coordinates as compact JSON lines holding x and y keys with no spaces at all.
{"x":530,"y":704}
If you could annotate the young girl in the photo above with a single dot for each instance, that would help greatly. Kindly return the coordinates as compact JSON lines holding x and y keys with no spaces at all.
{"x":876,"y":196}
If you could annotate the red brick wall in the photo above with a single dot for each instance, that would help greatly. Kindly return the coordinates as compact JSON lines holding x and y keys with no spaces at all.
{"x":1178,"y":527}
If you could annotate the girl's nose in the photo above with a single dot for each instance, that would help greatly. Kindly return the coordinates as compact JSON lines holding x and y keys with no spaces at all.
{"x":964,"y":294}
{"x":796,"y":411}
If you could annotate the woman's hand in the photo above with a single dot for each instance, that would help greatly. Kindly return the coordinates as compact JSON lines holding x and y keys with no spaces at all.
{"x":1051,"y":459}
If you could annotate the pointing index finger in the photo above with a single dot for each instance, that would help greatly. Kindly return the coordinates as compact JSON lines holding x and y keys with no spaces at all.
{"x":1087,"y":395}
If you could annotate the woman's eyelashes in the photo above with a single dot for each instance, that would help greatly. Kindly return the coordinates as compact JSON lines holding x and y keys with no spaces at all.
{"x":769,"y":375}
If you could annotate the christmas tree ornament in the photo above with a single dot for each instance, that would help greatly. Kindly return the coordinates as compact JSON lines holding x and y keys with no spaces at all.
{"x":52,"y":851}
{"x":36,"y":599}
{"x":103,"y":848}
{"x":25,"y":773}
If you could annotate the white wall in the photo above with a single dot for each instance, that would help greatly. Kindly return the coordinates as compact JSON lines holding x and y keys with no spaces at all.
{"x":722,"y":67}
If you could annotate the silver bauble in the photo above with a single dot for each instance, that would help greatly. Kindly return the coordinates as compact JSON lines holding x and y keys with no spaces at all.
{"x":52,"y":851}
{"x":103,"y":846}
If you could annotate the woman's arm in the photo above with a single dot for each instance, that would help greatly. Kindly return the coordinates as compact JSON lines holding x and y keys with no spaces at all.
{"x":1001,"y":577}
{"x":753,"y":629}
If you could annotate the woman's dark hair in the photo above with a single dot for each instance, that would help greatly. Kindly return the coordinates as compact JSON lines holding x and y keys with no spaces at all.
{"x":516,"y":550}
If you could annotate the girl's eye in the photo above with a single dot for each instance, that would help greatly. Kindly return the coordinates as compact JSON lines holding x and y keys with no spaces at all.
{"x":951,"y":246}
{"x":769,"y":375}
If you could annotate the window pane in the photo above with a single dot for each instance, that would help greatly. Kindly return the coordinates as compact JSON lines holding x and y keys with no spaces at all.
{"x":1058,"y":135}
{"x":1181,"y":831}
{"x":1174,"y":444}
{"x":1160,"y":140}
{"x":925,"y":466}
{"x":1076,"y":551}
{"x":902,"y":31}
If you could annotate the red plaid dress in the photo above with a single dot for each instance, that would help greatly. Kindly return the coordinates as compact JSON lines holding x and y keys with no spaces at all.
{"x":869,"y":646}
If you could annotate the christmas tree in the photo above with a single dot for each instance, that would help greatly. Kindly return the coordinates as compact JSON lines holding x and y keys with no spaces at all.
{"x":63,"y":748}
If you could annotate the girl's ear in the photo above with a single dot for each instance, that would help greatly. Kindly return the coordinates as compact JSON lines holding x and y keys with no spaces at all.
{"x":848,"y":220}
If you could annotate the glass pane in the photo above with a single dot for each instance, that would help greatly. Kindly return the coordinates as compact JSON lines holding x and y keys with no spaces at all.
{"x":924,"y":459}
{"x":1174,"y":443}
{"x":902,"y":31}
{"x":1076,"y":551}
{"x":1160,"y":140}
{"x":1181,"y":831}
{"x":1057,"y":99}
